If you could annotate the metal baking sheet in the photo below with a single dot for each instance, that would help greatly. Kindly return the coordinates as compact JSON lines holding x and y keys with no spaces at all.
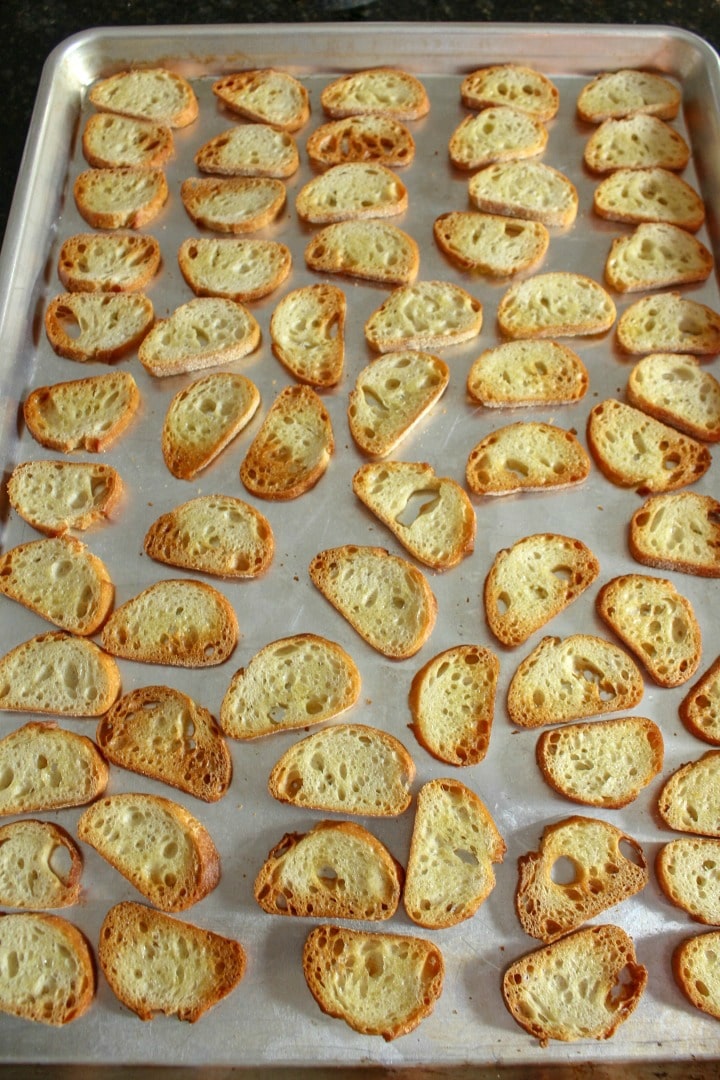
{"x":271,"y":1018}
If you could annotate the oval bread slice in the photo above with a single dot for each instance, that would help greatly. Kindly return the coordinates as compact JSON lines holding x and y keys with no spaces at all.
{"x":693,"y":965}
{"x":97,"y":262}
{"x":357,"y":189}
{"x":523,"y":373}
{"x":202,"y":333}
{"x":97,"y":326}
{"x":636,"y":142}
{"x":84,"y":414}
{"x":498,"y":133}
{"x":45,"y":767}
{"x":521,"y":87}
{"x":669,"y":322}
{"x":266,"y":96}
{"x":700,"y":708}
{"x":677,"y":390}
{"x":147,"y":93}
{"x":120,"y":198}
{"x":371,"y":250}
{"x":54,"y":496}
{"x":391,"y":396}
{"x":526,"y":456}
{"x":58,"y":673}
{"x":361,"y":138}
{"x":615,"y":94}
{"x":40,"y":866}
{"x":233,"y":204}
{"x":688,"y":872}
{"x":111,"y":141}
{"x":249,"y":150}
{"x":203,"y":418}
{"x":656,"y":256}
{"x":383,"y":91}
{"x":678,"y":532}
{"x":530,"y":190}
{"x":235,"y":269}
{"x":559,"y":303}
{"x":652,"y":194}
{"x":689,"y":801}
{"x":425,"y":315}
{"x":491,"y":244}
{"x":307,"y":328}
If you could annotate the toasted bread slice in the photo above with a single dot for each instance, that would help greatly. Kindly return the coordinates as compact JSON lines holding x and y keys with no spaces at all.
{"x":391,"y":396}
{"x":372,"y":250}
{"x":203,"y":418}
{"x":266,"y":96}
{"x":425,"y":315}
{"x":233,"y":204}
{"x":656,"y":622}
{"x":141,"y":952}
{"x":521,"y":87}
{"x":669,"y":322}
{"x":182,"y":623}
{"x":46,"y":943}
{"x":337,"y":870}
{"x":688,"y":872}
{"x":292,"y":449}
{"x":97,"y":326}
{"x":572,"y":678}
{"x":634,"y":450}
{"x":452,"y":702}
{"x":165,"y":852}
{"x":677,"y":390}
{"x":603,"y":875}
{"x":120,"y":262}
{"x":40,"y":866}
{"x":202,"y":333}
{"x":524,"y":373}
{"x":700,"y":708}
{"x":235,"y":269}
{"x":532,"y":581}
{"x":382,"y":139}
{"x":46,"y":767}
{"x":358,"y":189}
{"x":249,"y":150}
{"x":678,"y":532}
{"x":526,"y":456}
{"x":431,"y":516}
{"x":160,"y":732}
{"x":307,"y":329}
{"x":530,"y":190}
{"x":491,"y":244}
{"x":543,"y":989}
{"x":147,"y":93}
{"x":383,"y":597}
{"x":695,"y":971}
{"x":454,"y":844}
{"x":498,"y":133}
{"x":636,"y":142}
{"x":345,"y":768}
{"x":382,"y":91}
{"x":379,"y":984}
{"x":627,"y":92}
{"x":54,"y":496}
{"x":111,"y":141}
{"x":637,"y":195}
{"x":120,"y":198}
{"x":656,"y":256}
{"x":58,"y":673}
{"x":604,"y":763}
{"x":292,"y":682}
{"x":84,"y":414}
{"x":60,"y":580}
{"x":689,"y":801}
{"x":559,"y":303}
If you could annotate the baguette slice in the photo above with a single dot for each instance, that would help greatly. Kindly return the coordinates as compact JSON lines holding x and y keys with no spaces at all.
{"x":700,"y":708}
{"x":521,"y":87}
{"x":45,"y":767}
{"x":656,"y":622}
{"x":454,"y":844}
{"x":689,"y":801}
{"x":656,"y":256}
{"x":120,"y":198}
{"x":213,"y":534}
{"x":572,"y":678}
{"x":677,"y":390}
{"x":543,"y":989}
{"x":371,"y":250}
{"x":354,"y":190}
{"x":292,"y":449}
{"x":182,"y":623}
{"x":615,"y":94}
{"x":425,"y":315}
{"x":121,"y":262}
{"x":40,"y":866}
{"x":553,"y":304}
{"x":391,"y":396}
{"x":529,"y":456}
{"x":337,"y":870}
{"x":529,"y":190}
{"x":383,"y":597}
{"x":249,"y":150}
{"x":292,"y":682}
{"x":84,"y":414}
{"x":382,"y":91}
{"x":695,"y":970}
{"x":688,"y":872}
{"x":46,"y":943}
{"x":652,"y":194}
{"x":60,"y":580}
{"x":58,"y":673}
{"x":381,"y":139}
{"x":165,"y":852}
{"x":524,"y":373}
{"x":203,"y":418}
{"x":233,"y":204}
{"x":634,"y":450}
{"x":150,"y":94}
{"x":604,"y":763}
{"x":636,"y":142}
{"x":160,"y":732}
{"x":240,"y":270}
{"x":431,"y":516}
{"x":452,"y":702}
{"x":141,"y":952}
{"x":603,"y":874}
{"x":97,"y":326}
{"x":669,"y":322}
{"x":202,"y":333}
{"x":307,"y":329}
{"x":54,"y":496}
{"x":111,"y":141}
{"x":534,"y":580}
{"x":498,"y":133}
{"x":265,"y":96}
{"x":346,"y":768}
{"x":491,"y":244}
{"x":678,"y":532}
{"x":379,"y":984}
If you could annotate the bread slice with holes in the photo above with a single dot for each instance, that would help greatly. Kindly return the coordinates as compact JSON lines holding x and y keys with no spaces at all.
{"x":498,"y":133}
{"x":249,"y":150}
{"x":694,"y":965}
{"x":558,"y":303}
{"x":55,"y":496}
{"x":371,"y":250}
{"x":689,"y":801}
{"x":656,"y":256}
{"x":382,"y":139}
{"x":160,"y":732}
{"x":636,"y":142}
{"x":526,"y":456}
{"x":453,"y":847}
{"x":111,"y":141}
{"x":700,"y":708}
{"x":678,"y":532}
{"x":652,"y":194}
{"x":266,"y":96}
{"x":688,"y":872}
{"x":337,"y":870}
{"x":235,"y":269}
{"x":424,"y":315}
{"x":142,"y":951}
{"x":669,"y":323}
{"x":58,"y":673}
{"x":391,"y":396}
{"x":293,"y":682}
{"x":521,"y":373}
{"x":203,"y":418}
{"x":83,"y":414}
{"x":108,"y":262}
{"x":379,"y":984}
{"x":307,"y":330}
{"x":491,"y":244}
{"x":156,"y":844}
{"x":382,"y":91}
{"x":55,"y":982}
{"x":355,"y":190}
{"x":614,"y":94}
{"x":46,"y":767}
{"x":431,"y":516}
{"x":202,"y":333}
{"x":572,"y":678}
{"x":605,"y":763}
{"x":233,"y":204}
{"x":530,"y":190}
{"x":385,"y":599}
{"x":97,"y":326}
{"x":547,"y":990}
{"x":40,"y":866}
{"x":120,"y":198}
{"x":156,"y":94}
{"x":345,"y":768}
{"x":516,"y":85}
{"x":677,"y":390}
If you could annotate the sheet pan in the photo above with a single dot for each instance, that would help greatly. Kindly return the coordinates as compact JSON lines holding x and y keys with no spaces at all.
{"x":271,"y":1019}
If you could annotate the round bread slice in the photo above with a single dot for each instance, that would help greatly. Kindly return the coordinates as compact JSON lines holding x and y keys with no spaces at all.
{"x":636,"y":142}
{"x":97,"y":326}
{"x":425,"y":315}
{"x":521,"y":87}
{"x":688,"y":872}
{"x":46,"y":943}
{"x":201,"y":333}
{"x":347,"y":769}
{"x":679,"y":391}
{"x":235,"y":269}
{"x":689,"y":801}
{"x":615,"y":94}
{"x":337,"y":870}
{"x":383,"y":597}
{"x":371,"y":250}
{"x":656,"y":256}
{"x":96,"y":262}
{"x":249,"y":150}
{"x":526,"y":456}
{"x":391,"y":396}
{"x":491,"y":244}
{"x":700,"y":708}
{"x":678,"y":532}
{"x":40,"y":866}
{"x":120,"y":198}
{"x":290,"y":683}
{"x":559,"y":303}
{"x":58,"y":673}
{"x":233,"y":204}
{"x":266,"y":96}
{"x":357,"y":189}
{"x":307,"y":329}
{"x":605,"y":763}
{"x":111,"y":141}
{"x":148,"y":94}
{"x":671,"y":323}
{"x":181,"y":623}
{"x":653,"y":194}
{"x":84,"y":414}
{"x":695,"y":971}
{"x":530,"y":190}
{"x":54,"y":496}
{"x":382,"y":91}
{"x":498,"y":133}
{"x":203,"y":418}
{"x":524,"y":373}
{"x":45,"y":767}
{"x":361,"y":138}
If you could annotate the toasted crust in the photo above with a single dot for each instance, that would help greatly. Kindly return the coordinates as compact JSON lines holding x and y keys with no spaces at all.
{"x":669,"y":322}
{"x":95,"y":262}
{"x":530,"y":190}
{"x":491,"y":244}
{"x":46,"y":942}
{"x":150,"y":94}
{"x":307,"y":329}
{"x":524,"y":373}
{"x":47,"y":768}
{"x":380,"y":91}
{"x":111,"y":141}
{"x":202,"y":333}
{"x":652,"y":194}
{"x":371,"y":250}
{"x":615,"y":94}
{"x":689,"y":801}
{"x":498,"y":133}
{"x":354,"y":190}
{"x":425,"y":315}
{"x":65,"y":656}
{"x":267,"y":96}
{"x":120,"y":198}
{"x":54,"y":496}
{"x":687,"y":872}
{"x":235,"y":269}
{"x":203,"y":418}
{"x":522,"y":88}
{"x":139,"y":951}
{"x":526,"y":456}
{"x":391,"y":396}
{"x":656,"y":255}
{"x":84,"y":414}
{"x":556,"y":303}
{"x":678,"y":391}
{"x":97,"y":326}
{"x":636,"y":142}
{"x":40,"y":866}
{"x":700,"y":708}
{"x":694,"y":968}
{"x":233,"y":204}
{"x":249,"y":150}
{"x":678,"y":532}
{"x":361,"y":138}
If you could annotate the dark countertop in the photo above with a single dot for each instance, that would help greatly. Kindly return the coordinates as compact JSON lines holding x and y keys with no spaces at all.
{"x":30,"y":30}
